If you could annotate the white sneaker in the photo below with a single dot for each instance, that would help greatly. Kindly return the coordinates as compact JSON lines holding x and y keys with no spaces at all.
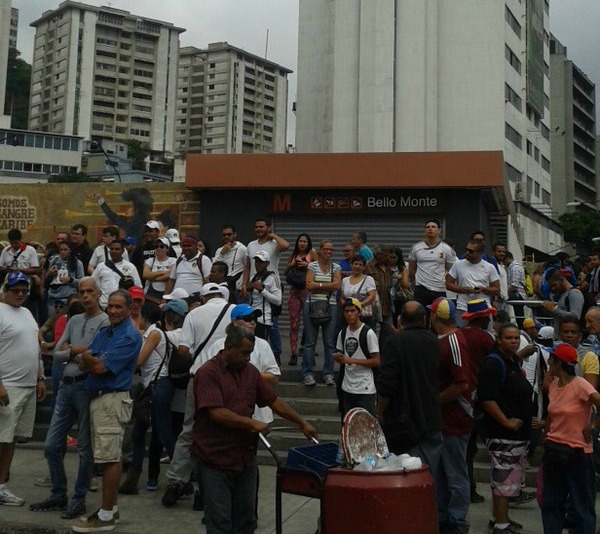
{"x":8,"y":498}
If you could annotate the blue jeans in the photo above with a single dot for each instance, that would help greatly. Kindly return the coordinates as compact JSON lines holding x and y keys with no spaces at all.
{"x":311,"y":332}
{"x":275,"y":337}
{"x":229,"y":499}
{"x":72,"y":405}
{"x":452,"y":483}
{"x":162,"y":420}
{"x":577,"y":481}
{"x":56,"y":371}
{"x":429,"y":449}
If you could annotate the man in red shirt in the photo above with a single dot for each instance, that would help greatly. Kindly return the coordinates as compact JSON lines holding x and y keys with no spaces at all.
{"x":225,"y":436}
{"x":455,"y":396}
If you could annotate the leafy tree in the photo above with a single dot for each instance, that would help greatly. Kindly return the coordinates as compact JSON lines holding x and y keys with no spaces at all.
{"x":71,"y":177}
{"x":580,"y":228}
{"x":18,"y":79}
{"x":136,"y":152}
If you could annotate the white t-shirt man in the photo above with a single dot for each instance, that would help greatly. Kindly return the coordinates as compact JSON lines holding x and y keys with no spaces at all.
{"x":22,"y":258}
{"x":19,"y":347}
{"x":358,"y":380}
{"x":468,"y":274}
{"x":262,"y":358}
{"x":101,"y":253}
{"x":270,"y":295}
{"x":152,"y":364}
{"x":198,"y":324}
{"x":271,"y":247}
{"x":187,"y":275}
{"x":108,"y":280}
{"x":431,"y":264}
{"x":235,"y":260}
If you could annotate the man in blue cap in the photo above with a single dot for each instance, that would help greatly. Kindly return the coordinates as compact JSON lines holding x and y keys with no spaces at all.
{"x":21,"y":375}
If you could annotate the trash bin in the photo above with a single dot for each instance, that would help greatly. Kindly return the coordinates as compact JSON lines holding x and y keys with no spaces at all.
{"x":394,"y":502}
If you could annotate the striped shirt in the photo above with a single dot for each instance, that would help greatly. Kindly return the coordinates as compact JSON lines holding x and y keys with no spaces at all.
{"x":323,"y":278}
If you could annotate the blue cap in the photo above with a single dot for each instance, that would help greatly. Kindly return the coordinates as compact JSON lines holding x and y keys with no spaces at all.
{"x":16,"y":277}
{"x":180,"y":307}
{"x":244,"y":310}
{"x":130,"y":240}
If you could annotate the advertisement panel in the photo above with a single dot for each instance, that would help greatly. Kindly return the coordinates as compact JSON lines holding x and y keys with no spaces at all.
{"x":41,"y":210}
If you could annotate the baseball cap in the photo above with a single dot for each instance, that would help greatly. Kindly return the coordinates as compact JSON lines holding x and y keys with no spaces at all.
{"x":60,"y":302}
{"x":153,"y":224}
{"x":262,"y":255}
{"x":130,"y":240}
{"x":164,"y":241}
{"x":353,"y":302}
{"x":178,"y":306}
{"x":211,"y":289}
{"x":546,"y":332}
{"x":530,"y":323}
{"x":172,"y":235}
{"x":443,"y":308}
{"x":178,"y":293}
{"x":244,"y":310}
{"x":565,"y":353}
{"x":189,"y":240}
{"x":16,"y":277}
{"x":137,"y":292}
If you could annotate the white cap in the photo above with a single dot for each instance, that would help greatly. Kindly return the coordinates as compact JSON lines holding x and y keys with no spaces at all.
{"x":546,"y":332}
{"x":172,"y":235}
{"x":262,"y":255}
{"x":178,"y":293}
{"x":153,"y":224}
{"x":211,"y":289}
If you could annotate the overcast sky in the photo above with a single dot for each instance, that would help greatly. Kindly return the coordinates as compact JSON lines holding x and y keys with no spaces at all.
{"x":244,"y":23}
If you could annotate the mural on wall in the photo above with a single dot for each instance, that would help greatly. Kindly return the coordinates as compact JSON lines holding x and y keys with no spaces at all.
{"x":42,"y":210}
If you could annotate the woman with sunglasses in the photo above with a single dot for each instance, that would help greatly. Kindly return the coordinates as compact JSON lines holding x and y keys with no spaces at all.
{"x":323,"y":279}
{"x":62,"y":276}
{"x":567,"y":468}
{"x":157,"y":270}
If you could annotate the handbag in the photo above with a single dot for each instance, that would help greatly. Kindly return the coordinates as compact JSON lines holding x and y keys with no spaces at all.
{"x":296,"y":278}
{"x":125,"y":281}
{"x":319,"y":311}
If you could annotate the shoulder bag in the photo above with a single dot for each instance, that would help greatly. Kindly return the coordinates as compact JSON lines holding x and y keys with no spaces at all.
{"x":319,"y":311}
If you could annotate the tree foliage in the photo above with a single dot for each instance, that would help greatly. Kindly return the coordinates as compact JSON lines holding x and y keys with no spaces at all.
{"x":581,"y":227}
{"x":136,"y":152}
{"x":18,"y":79}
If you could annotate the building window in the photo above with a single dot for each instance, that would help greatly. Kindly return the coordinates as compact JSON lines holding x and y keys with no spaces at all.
{"x":512,"y":174}
{"x":512,"y":58}
{"x":512,"y":22}
{"x":510,"y":95}
{"x":546,"y":198}
{"x":529,"y":148}
{"x":513,"y":136}
{"x":537,"y":189}
{"x":546,"y":164}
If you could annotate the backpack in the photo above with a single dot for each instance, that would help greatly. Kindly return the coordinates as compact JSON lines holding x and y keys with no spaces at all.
{"x":364,"y":347}
{"x":276,"y":309}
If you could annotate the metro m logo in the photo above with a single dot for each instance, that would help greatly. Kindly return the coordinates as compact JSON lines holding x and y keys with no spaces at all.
{"x":282,"y":203}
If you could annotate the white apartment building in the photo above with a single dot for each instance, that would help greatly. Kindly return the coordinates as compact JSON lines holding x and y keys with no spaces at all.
{"x":230,"y":101}
{"x":424,"y":75}
{"x":104,"y":73}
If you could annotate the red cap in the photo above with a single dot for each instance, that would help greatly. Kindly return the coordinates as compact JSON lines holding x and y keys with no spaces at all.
{"x":565,"y":353}
{"x":137,"y":292}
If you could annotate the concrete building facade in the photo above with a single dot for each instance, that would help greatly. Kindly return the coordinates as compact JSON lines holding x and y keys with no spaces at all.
{"x":425,"y":76}
{"x":230,"y":101}
{"x":104,"y":73}
{"x":573,"y":133}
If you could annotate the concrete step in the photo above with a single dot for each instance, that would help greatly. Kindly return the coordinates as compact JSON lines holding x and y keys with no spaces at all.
{"x":289,"y":390}
{"x":308,"y":405}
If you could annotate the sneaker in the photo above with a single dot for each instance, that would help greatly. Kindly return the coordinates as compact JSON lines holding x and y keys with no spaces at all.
{"x":293,"y":360}
{"x":513,"y":524}
{"x":51,"y":504}
{"x":43,"y":482}
{"x":8,"y":498}
{"x":187,"y":489}
{"x":116,"y":516}
{"x":93,"y":485}
{"x":93,"y":523}
{"x":309,"y":381}
{"x":172,"y":494}
{"x":523,"y":498}
{"x":329,"y":381}
{"x":152,"y":484}
{"x":75,"y":510}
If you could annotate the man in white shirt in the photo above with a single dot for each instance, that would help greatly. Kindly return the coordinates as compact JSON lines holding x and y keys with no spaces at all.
{"x":471,"y":277}
{"x":499,"y":252}
{"x":358,"y":384}
{"x":234,"y":254}
{"x":192,"y":269}
{"x":428,"y":262}
{"x":110,"y":274}
{"x":100,"y":254}
{"x":266,"y":293}
{"x":19,"y":256}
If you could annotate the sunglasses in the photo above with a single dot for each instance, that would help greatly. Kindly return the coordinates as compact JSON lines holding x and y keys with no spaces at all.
{"x":19,"y":290}
{"x":160,"y":246}
{"x":249,"y":319}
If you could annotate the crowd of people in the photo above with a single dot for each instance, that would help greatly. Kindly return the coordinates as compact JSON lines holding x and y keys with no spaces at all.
{"x":441,"y":347}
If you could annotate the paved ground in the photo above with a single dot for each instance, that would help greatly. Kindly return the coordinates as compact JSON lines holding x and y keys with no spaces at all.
{"x":144,"y":513}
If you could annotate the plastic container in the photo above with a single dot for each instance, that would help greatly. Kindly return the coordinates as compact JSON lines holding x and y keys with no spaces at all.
{"x":389,"y":502}
{"x":313,"y":458}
